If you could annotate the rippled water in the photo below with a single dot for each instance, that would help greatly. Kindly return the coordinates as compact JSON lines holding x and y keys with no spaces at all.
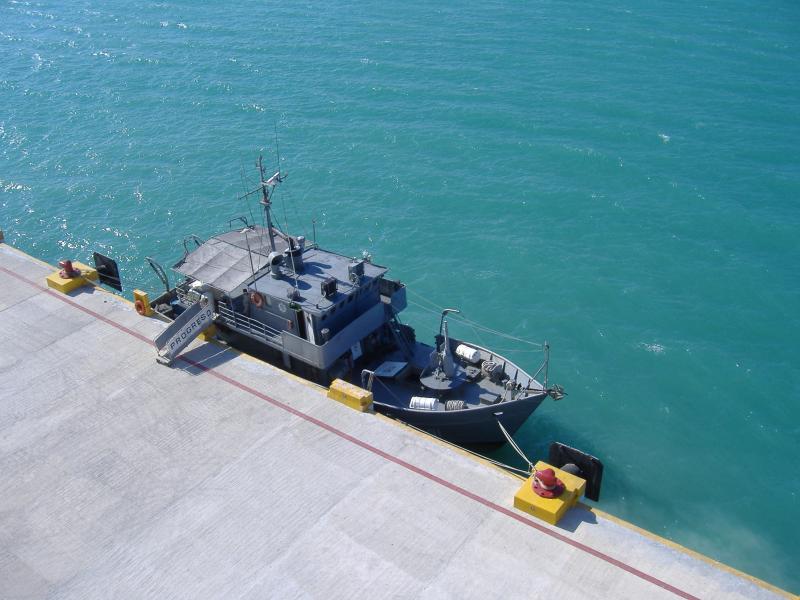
{"x":621,"y":180}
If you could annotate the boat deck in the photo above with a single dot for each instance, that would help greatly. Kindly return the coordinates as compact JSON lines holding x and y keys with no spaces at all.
{"x":397,"y":389}
{"x":224,"y":477}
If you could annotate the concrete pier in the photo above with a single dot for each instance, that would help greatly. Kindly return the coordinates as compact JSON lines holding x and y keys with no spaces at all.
{"x":224,"y":477}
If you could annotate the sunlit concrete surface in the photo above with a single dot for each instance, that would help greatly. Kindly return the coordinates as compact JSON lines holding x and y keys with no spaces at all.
{"x":223,"y":477}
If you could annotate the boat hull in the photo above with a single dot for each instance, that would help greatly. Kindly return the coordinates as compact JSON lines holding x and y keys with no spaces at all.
{"x":472,"y":427}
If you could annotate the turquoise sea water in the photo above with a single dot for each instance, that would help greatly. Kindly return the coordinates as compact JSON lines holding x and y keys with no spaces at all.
{"x":621,"y":180}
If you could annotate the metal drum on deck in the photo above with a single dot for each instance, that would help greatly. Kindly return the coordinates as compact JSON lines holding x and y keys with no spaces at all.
{"x":468,"y":353}
{"x":423,"y":403}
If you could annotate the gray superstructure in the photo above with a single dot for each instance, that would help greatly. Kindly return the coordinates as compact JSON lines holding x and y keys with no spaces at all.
{"x":311,"y":305}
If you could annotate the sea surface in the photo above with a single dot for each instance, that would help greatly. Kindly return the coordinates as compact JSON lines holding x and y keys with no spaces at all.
{"x":621,"y":179}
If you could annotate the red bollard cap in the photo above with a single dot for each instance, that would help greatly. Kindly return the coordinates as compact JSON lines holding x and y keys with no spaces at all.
{"x":67,"y":270}
{"x":546,"y":484}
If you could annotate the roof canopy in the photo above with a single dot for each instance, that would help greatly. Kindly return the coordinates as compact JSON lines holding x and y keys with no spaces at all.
{"x":224,"y":263}
{"x":228,"y":261}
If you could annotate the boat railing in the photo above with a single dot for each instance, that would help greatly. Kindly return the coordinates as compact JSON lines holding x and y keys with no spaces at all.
{"x":517,"y":375}
{"x":241,"y":322}
{"x":186,"y":295}
{"x":393,"y":292}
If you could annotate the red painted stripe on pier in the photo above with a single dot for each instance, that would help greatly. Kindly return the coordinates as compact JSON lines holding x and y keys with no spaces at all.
{"x":88,"y":311}
{"x":377,"y":451}
{"x":443,"y":482}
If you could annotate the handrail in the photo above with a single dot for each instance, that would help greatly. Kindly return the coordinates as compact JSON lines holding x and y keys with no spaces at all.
{"x":183,"y":295}
{"x":197,"y":240}
{"x":243,"y":322}
{"x":241,"y":218}
{"x":162,"y":275}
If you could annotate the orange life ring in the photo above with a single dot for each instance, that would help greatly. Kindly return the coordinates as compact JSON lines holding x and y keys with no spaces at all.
{"x":257,"y":299}
{"x":140,"y":308}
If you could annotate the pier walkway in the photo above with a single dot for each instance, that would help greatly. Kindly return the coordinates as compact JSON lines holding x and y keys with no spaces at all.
{"x":223,"y":477}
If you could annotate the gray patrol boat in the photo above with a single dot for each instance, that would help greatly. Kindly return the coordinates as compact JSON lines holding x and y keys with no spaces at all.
{"x":324,"y":316}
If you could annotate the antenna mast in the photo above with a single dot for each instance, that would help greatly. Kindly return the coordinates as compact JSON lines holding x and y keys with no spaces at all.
{"x":266,"y":200}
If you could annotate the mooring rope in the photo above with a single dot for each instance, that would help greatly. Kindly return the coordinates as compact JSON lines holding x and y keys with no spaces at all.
{"x":513,"y":444}
{"x":469,"y":322}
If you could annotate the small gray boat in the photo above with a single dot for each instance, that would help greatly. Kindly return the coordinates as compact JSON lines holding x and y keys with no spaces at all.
{"x":327,"y":316}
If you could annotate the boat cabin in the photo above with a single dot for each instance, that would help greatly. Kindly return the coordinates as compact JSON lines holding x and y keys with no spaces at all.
{"x":311,"y":304}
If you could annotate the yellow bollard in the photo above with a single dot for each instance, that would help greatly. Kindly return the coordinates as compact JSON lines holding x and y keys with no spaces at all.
{"x":62,"y":282}
{"x":350,"y":395}
{"x":141,"y":301}
{"x":209,"y":333}
{"x":550,"y":509}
